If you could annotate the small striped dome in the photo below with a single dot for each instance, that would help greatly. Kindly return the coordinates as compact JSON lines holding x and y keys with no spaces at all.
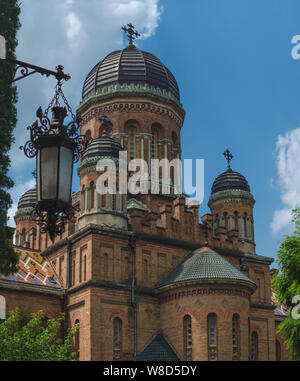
{"x":230,"y":180}
{"x":130,"y":65}
{"x":28,"y":200}
{"x":103,"y":146}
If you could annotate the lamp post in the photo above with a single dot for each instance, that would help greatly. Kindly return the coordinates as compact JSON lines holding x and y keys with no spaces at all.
{"x":56,"y":146}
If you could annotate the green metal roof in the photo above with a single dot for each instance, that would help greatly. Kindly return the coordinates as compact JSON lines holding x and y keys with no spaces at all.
{"x":202,"y":264}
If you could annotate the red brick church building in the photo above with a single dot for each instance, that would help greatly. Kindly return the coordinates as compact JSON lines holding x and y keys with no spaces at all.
{"x":141,"y":275}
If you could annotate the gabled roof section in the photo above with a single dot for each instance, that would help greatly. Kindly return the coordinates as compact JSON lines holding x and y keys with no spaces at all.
{"x":33,"y":269}
{"x":158,"y":350}
{"x":204,"y":264}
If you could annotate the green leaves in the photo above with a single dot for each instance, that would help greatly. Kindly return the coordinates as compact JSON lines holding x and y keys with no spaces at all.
{"x":34,"y":338}
{"x":287,"y":284}
{"x":9,"y":25}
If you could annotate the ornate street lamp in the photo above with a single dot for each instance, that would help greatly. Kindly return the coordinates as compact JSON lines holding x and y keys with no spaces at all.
{"x":56,"y":146}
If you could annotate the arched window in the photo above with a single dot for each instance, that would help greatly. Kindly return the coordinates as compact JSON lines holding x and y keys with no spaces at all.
{"x":84,"y":268}
{"x":92,"y":187}
{"x":105,"y":266}
{"x":187,"y":338}
{"x":254,"y":346}
{"x":212,"y":336}
{"x":225,"y":216}
{"x":83,"y":203}
{"x":154,"y":141}
{"x":131,"y":143}
{"x":145,"y":269}
{"x":245,"y":226}
{"x":117,"y":338}
{"x":2,"y":308}
{"x":23,"y":237}
{"x":77,"y":342}
{"x":88,"y":134}
{"x":236,"y":224}
{"x":278,"y":351}
{"x":235,"y":337}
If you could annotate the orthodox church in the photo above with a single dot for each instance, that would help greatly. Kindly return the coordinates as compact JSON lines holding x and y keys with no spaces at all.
{"x":144,"y":277}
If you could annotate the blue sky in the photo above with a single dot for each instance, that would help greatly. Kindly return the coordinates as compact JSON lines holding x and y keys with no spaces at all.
{"x":232,"y":60}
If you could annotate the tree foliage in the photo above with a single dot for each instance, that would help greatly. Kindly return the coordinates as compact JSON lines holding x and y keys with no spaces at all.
{"x":33,"y":338}
{"x":9,"y":25}
{"x":287,"y":285}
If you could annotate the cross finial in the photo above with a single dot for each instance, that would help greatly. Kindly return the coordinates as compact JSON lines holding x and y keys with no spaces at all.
{"x":131,"y":33}
{"x":105,"y":124}
{"x":228,"y":156}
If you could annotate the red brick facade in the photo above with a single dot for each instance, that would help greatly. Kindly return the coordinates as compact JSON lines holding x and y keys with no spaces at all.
{"x":95,"y":263}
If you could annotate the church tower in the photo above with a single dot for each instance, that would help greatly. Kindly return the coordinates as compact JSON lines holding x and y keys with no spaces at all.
{"x":231,"y":204}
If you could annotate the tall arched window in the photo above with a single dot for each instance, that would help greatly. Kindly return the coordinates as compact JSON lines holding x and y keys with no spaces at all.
{"x":83,"y":201}
{"x":145,"y":269}
{"x":77,"y":342}
{"x":105,"y":266}
{"x":88,"y":134}
{"x":212,"y":336}
{"x":254,"y":346}
{"x":187,"y":338}
{"x":117,"y":338}
{"x":278,"y":351}
{"x":92,"y":190}
{"x":235,"y":337}
{"x":245,"y":226}
{"x":154,"y":141}
{"x":84,"y":268}
{"x":131,"y":143}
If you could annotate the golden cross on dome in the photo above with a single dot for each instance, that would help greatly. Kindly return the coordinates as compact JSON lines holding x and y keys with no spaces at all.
{"x":228,"y":156}
{"x":131,"y":33}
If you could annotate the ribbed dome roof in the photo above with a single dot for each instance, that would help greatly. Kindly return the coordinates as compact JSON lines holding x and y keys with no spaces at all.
{"x":203,"y":264}
{"x":230,"y":180}
{"x":130,"y":65}
{"x":103,"y":146}
{"x":28,"y":200}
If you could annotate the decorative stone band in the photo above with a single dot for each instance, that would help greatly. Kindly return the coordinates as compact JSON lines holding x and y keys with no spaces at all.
{"x":126,"y":89}
{"x":203,"y":291}
{"x":231,"y":195}
{"x":130,"y":106}
{"x":89,"y":164}
{"x":23,"y":214}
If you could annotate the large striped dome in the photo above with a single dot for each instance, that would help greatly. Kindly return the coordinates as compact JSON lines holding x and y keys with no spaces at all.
{"x":130,"y":66}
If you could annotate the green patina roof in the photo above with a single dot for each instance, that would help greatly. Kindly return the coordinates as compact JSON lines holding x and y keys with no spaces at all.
{"x":202,"y":264}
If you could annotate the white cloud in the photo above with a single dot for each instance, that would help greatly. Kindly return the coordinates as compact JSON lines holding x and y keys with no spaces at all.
{"x":19,"y":189}
{"x":76,"y":34}
{"x":287,"y":155}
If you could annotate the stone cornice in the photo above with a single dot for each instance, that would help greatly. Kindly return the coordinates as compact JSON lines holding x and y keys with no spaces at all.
{"x":264,"y":306}
{"x":89,"y":229}
{"x":95,"y":108}
{"x":32,"y":288}
{"x":89,"y":164}
{"x":232,"y":195}
{"x":236,"y":283}
{"x":170,"y":294}
{"x":135,"y":90}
